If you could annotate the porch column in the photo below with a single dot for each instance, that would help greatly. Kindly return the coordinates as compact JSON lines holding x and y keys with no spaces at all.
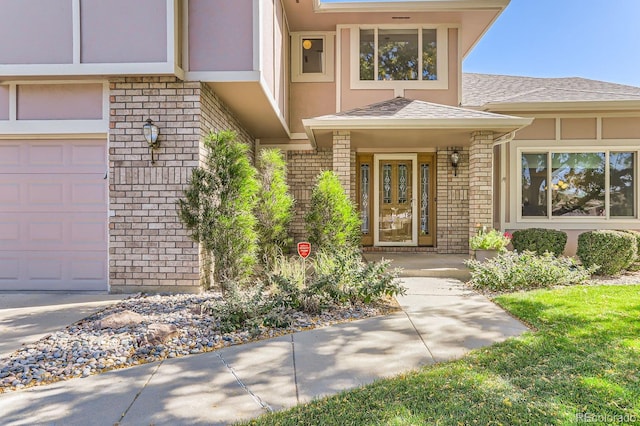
{"x":480,"y":180}
{"x":342,"y":158}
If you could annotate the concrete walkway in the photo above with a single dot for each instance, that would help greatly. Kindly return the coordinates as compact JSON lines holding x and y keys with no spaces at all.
{"x":441,"y":320}
{"x":27,"y":317}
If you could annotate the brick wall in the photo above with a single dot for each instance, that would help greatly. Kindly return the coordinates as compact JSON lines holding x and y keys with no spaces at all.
{"x":342,"y":159}
{"x":303,"y":167}
{"x":149,"y":250}
{"x":452,"y":211}
{"x":481,"y":178}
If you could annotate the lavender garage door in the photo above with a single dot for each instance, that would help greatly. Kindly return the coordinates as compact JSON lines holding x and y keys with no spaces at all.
{"x":53,"y":214}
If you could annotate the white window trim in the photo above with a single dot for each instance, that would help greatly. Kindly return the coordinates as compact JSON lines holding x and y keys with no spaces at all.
{"x":297,"y":76}
{"x":442,"y":57}
{"x":570,"y":146}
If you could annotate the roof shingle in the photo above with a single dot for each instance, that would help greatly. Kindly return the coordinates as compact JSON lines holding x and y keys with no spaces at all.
{"x":481,"y":89}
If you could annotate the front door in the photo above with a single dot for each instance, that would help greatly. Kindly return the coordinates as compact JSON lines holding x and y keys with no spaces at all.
{"x":395,"y":200}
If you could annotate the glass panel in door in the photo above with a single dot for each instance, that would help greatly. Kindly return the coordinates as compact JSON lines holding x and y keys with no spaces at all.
{"x":395,"y":223}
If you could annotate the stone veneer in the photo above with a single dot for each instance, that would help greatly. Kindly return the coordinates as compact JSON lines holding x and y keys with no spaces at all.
{"x":149,"y":249}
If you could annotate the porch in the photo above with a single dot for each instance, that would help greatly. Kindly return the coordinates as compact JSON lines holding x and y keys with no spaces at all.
{"x":424,"y":264}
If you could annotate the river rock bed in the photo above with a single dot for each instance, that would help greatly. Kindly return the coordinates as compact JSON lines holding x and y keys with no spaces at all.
{"x":87,"y":347}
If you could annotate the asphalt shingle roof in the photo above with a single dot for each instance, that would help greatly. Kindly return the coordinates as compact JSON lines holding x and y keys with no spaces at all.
{"x":403,"y":108}
{"x":480,"y":89}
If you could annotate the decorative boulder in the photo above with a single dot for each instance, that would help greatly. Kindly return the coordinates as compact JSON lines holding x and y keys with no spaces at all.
{"x":120,"y":319}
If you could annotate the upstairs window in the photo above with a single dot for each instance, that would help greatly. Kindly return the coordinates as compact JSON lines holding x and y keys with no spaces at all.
{"x":407,"y":57}
{"x":312,"y":57}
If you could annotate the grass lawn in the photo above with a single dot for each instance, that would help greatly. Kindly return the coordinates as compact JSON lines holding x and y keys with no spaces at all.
{"x":582,"y":363}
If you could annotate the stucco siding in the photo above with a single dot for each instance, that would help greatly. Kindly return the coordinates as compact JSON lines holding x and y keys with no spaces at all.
{"x":221,"y":35}
{"x":578,"y":128}
{"x":59,"y":102}
{"x":4,"y":102}
{"x":540,"y":129}
{"x":36,"y":32}
{"x":118,"y":31}
{"x":621,"y":128}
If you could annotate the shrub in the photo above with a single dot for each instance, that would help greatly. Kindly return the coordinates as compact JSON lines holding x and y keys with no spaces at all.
{"x":518,"y":271}
{"x":332,"y":222}
{"x":274,"y":209}
{"x":539,"y":240}
{"x":610,"y":251}
{"x":635,"y":266}
{"x":248,"y":309}
{"x":489,"y":240}
{"x":336,"y":278}
{"x":218,"y":208}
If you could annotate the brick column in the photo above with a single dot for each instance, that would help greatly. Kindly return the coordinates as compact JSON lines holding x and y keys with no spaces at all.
{"x":342,"y":158}
{"x":452,"y":209}
{"x":480,"y":181}
{"x":149,"y":250}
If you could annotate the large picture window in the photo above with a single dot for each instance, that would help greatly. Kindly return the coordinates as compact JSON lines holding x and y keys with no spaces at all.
{"x":570,"y":184}
{"x":399,"y":57}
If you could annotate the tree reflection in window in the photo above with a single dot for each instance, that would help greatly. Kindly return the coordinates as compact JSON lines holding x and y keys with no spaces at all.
{"x":534,"y":184}
{"x":621,"y":184}
{"x":396,"y":54}
{"x":577,"y":184}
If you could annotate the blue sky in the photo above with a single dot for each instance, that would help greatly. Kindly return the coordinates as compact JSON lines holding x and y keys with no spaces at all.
{"x":597,"y":39}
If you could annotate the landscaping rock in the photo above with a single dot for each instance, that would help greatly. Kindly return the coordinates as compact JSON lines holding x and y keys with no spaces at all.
{"x":160,"y":333}
{"x":120,"y":320}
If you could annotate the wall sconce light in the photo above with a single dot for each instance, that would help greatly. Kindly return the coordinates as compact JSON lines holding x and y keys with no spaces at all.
{"x":455,"y":159}
{"x":151,"y":133}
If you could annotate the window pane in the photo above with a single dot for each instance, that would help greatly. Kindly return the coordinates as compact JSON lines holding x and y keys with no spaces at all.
{"x":367,"y":48}
{"x":398,"y":54}
{"x":621,"y":184}
{"x":386,"y":184}
{"x":424,"y":204}
{"x":312,"y":55}
{"x":577,"y":184}
{"x":534,"y":184}
{"x":429,"y":46}
{"x":364,"y":197}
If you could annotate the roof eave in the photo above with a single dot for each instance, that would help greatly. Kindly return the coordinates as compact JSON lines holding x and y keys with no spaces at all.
{"x":496,"y":124}
{"x":409,"y":6}
{"x":561,"y":106}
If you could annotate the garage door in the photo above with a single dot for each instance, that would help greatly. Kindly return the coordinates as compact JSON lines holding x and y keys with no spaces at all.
{"x":53,"y":215}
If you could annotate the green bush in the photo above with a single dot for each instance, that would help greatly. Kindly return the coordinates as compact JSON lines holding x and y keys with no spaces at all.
{"x":611,"y":251}
{"x":247,"y":310}
{"x":539,"y":240}
{"x":274,"y":209}
{"x":635,"y":266}
{"x":218,"y":209}
{"x":511,"y":271}
{"x":491,"y":239}
{"x":336,"y":278}
{"x":332,"y":221}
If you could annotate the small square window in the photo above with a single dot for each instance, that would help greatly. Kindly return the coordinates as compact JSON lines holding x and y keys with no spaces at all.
{"x":312,"y":57}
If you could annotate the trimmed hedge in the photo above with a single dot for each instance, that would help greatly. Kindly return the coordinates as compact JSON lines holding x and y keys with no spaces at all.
{"x":539,"y":241}
{"x":635,"y":266}
{"x":611,"y":251}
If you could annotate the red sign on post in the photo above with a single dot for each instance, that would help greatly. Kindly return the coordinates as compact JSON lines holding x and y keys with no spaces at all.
{"x":304,"y":249}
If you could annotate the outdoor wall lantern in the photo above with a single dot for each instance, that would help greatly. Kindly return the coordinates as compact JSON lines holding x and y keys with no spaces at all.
{"x":455,"y":159}
{"x":151,"y":133}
